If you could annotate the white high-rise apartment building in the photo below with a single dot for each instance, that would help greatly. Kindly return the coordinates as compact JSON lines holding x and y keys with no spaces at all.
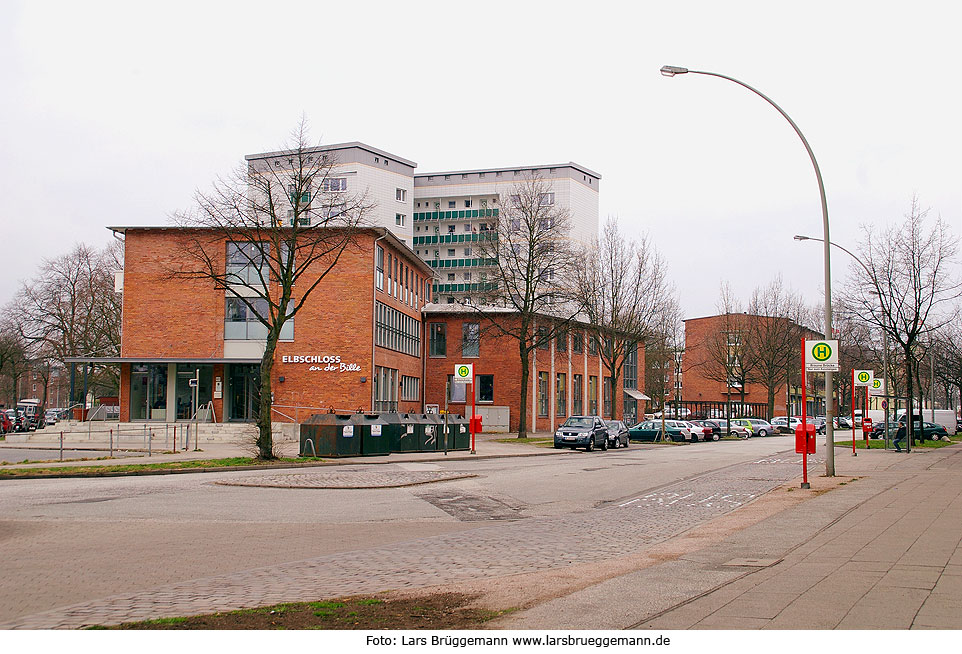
{"x":453,"y":209}
{"x":441,"y":215}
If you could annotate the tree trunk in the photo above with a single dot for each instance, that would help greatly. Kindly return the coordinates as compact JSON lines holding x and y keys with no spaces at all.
{"x":771,"y":403}
{"x":265,"y":441}
{"x":909,"y":394}
{"x":525,"y":378}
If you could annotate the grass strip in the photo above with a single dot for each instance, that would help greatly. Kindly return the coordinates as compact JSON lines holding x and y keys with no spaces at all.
{"x":437,"y":611}
{"x":95,"y":471}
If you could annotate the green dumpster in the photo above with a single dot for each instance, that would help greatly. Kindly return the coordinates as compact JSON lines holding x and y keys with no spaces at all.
{"x":402,"y":430}
{"x":329,"y":434}
{"x":429,"y":438}
{"x":459,"y":437}
{"x":375,"y":441}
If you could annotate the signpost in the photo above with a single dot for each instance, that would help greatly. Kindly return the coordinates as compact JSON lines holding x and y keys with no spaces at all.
{"x":464,"y":374}
{"x":860,"y":378}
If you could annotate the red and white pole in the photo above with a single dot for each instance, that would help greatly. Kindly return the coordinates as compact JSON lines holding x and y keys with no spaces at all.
{"x":472,"y":423}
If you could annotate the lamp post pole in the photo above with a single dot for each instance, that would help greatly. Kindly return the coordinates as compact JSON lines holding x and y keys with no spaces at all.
{"x":671,"y":71}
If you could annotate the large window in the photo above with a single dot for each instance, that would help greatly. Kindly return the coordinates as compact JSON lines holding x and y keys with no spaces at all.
{"x":246,"y":262}
{"x":471,"y":339}
{"x":334,"y":184}
{"x":457,"y":392}
{"x":593,"y":395}
{"x":385,"y":389}
{"x":242,"y":323}
{"x":438,"y":339}
{"x":543,"y":394}
{"x":379,"y":268}
{"x":577,"y":342}
{"x":561,"y":341}
{"x":410,"y":388}
{"x":577,"y":391}
{"x":396,"y":331}
{"x":561,"y":395}
{"x":608,"y":384}
{"x":485,"y":384}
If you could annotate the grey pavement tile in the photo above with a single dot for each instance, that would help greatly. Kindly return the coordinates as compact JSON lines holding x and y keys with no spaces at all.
{"x":718,"y":622}
{"x":901,"y":578}
{"x":757,"y":605}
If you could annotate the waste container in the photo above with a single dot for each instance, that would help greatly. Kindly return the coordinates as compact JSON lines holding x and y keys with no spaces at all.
{"x":429,"y":438}
{"x":459,"y":438}
{"x":369,"y":427}
{"x":402,"y":431}
{"x":329,"y":434}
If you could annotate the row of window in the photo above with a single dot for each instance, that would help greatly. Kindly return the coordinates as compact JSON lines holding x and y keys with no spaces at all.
{"x":577,"y":395}
{"x":454,"y":215}
{"x":396,"y":331}
{"x":470,"y":339}
{"x":399,"y":280}
{"x":453,"y":238}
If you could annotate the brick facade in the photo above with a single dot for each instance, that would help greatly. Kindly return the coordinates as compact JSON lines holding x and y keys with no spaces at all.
{"x":172,"y":318}
{"x":499,"y":356}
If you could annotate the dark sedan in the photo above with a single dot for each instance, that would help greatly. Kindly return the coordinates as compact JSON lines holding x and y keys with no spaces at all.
{"x":582,"y":431}
{"x":617,"y":434}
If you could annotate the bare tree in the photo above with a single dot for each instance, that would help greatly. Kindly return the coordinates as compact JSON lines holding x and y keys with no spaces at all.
{"x":660,"y":352}
{"x":774,"y":338}
{"x":70,"y":309}
{"x":13,"y":360}
{"x":533,"y":259}
{"x":622,"y":288}
{"x":907,"y":286}
{"x":284,"y":222}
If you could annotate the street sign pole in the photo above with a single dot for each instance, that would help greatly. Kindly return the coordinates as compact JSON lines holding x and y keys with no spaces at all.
{"x":853,"y":413}
{"x":805,"y":483}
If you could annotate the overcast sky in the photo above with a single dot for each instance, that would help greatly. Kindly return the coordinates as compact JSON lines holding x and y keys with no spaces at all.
{"x":115,"y":112}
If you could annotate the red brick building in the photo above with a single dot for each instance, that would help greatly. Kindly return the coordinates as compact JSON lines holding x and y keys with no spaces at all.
{"x":706,"y":340}
{"x":567,"y":375}
{"x":355,"y":344}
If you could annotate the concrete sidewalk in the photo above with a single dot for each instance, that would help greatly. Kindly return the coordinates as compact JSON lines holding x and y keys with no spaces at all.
{"x":881,"y":551}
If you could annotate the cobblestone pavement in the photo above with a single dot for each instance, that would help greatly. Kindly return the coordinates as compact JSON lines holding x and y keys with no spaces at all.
{"x":346,"y":479}
{"x":505,"y":548}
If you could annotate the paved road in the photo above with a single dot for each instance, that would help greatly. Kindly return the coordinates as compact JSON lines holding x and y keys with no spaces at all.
{"x":107,"y":550}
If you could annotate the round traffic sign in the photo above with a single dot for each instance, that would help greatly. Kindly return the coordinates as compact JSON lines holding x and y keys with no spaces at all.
{"x":464,"y":371}
{"x":822,"y":352}
{"x":863,"y":377}
{"x":885,"y":404}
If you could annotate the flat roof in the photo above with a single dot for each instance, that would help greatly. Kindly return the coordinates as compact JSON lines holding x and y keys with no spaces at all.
{"x":333,"y":146}
{"x":383,"y":231}
{"x":506,"y":169}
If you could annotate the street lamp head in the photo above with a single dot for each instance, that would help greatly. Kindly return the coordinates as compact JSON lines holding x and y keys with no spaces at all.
{"x":799,"y":237}
{"x":671,"y":71}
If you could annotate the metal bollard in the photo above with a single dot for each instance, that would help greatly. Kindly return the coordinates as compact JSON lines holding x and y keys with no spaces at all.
{"x":150,"y":438}
{"x":61,"y":446}
{"x":112,"y":442}
{"x":145,"y":435}
{"x":166,"y":436}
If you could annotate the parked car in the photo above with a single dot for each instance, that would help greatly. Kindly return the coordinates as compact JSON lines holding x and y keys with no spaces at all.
{"x":588,"y":432}
{"x":51,"y":416}
{"x":649,"y":430}
{"x":6,"y":425}
{"x":701,"y":431}
{"x":738,"y":430}
{"x":878,"y":429}
{"x":761,"y":427}
{"x":716,"y":428}
{"x":617,"y":434}
{"x":786,"y":425}
{"x":958,"y":425}
{"x":747,"y":429}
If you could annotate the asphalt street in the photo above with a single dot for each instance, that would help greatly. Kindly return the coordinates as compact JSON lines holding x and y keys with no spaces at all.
{"x":130,"y":546}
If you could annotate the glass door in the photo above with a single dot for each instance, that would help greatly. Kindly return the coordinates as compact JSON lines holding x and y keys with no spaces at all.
{"x":243,"y":392}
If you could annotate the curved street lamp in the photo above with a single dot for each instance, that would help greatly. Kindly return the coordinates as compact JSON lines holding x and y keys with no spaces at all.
{"x":671,"y":71}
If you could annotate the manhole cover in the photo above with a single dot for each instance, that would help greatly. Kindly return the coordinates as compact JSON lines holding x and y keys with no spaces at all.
{"x":335,"y":479}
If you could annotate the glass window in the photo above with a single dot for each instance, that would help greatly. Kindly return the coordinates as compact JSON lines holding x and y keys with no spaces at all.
{"x":410,"y":388}
{"x":593,"y":395}
{"x":541,"y":338}
{"x":379,"y":267}
{"x":577,"y":342}
{"x":438,"y":339}
{"x":185,"y":392}
{"x":485,"y":391}
{"x":607,"y":391}
{"x":577,"y":391}
{"x":561,"y":341}
{"x":561,"y":394}
{"x":246,"y":262}
{"x":457,"y":392}
{"x":471,"y":339}
{"x":543,"y":394}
